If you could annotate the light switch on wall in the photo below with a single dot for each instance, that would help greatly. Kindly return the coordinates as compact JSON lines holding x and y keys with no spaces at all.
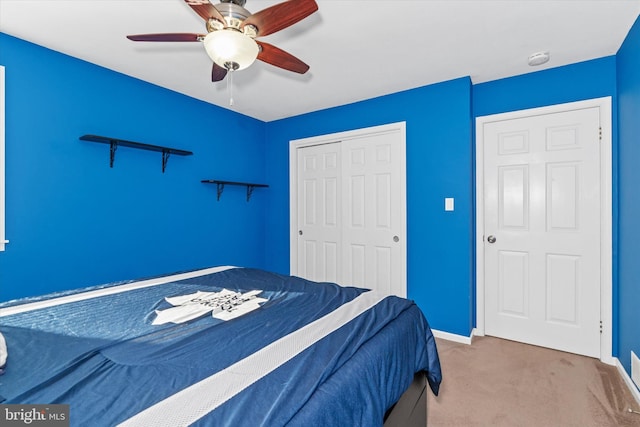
{"x":448,"y":204}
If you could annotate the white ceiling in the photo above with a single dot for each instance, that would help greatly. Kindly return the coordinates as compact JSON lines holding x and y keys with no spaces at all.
{"x":357,"y":49}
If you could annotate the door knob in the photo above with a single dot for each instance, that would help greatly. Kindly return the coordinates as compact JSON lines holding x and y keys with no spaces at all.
{"x":300,"y":232}
{"x":491,"y":239}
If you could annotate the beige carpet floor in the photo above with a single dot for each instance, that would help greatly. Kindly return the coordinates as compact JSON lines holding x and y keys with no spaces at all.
{"x":496,"y":382}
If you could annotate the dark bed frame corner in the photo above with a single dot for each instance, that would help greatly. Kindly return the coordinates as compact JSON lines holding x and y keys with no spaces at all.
{"x":411,"y":409}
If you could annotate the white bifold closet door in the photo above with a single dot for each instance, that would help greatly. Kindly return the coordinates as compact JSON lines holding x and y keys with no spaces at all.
{"x":351,"y":211}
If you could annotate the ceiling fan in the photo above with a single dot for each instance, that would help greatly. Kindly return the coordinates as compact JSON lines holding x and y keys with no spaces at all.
{"x":232,"y":30}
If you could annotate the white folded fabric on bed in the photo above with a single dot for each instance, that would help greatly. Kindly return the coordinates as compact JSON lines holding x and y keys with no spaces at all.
{"x":199,"y":399}
{"x":224,"y":305}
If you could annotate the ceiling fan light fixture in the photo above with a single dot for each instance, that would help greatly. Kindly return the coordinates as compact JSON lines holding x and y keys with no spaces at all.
{"x":231,"y":49}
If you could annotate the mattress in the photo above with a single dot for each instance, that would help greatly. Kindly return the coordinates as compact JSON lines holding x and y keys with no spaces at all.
{"x":311,"y":354}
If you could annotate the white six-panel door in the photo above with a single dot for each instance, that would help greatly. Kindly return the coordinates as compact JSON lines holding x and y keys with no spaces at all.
{"x":542,"y":230}
{"x":350,"y":208}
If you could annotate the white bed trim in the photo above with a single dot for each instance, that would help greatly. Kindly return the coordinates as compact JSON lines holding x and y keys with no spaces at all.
{"x":194,"y":402}
{"x":109,"y":291}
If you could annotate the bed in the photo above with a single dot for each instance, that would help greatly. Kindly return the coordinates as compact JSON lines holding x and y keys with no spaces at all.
{"x":309,"y":354}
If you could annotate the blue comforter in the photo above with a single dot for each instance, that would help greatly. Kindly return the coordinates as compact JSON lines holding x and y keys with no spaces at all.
{"x":103,"y":357}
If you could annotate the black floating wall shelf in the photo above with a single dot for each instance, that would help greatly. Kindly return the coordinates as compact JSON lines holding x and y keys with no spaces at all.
{"x":115,"y":142}
{"x":220,"y":186}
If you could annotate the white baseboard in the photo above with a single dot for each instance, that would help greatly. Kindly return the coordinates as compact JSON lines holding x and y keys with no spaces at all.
{"x":453,"y":337}
{"x":627,"y":379}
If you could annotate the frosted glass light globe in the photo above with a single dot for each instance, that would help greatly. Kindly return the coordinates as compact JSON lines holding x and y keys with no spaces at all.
{"x":231,"y":49}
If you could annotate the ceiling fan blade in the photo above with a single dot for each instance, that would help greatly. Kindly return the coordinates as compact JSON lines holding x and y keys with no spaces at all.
{"x":167,"y":37}
{"x":278,"y":57}
{"x":206,"y":10}
{"x":218,"y":73}
{"x":280,"y":16}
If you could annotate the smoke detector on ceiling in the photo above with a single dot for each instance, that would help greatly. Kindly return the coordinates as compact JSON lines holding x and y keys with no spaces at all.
{"x":538,"y":58}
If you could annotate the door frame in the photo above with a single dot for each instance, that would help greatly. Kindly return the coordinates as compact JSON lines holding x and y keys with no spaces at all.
{"x":293,"y":181}
{"x":606,"y":212}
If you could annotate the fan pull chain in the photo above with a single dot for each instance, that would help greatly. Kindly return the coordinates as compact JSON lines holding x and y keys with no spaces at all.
{"x":230,"y":86}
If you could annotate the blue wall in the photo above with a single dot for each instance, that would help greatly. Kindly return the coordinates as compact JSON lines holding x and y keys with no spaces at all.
{"x":576,"y":82}
{"x":629,"y":197}
{"x":72,"y":221}
{"x":439,"y":165}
